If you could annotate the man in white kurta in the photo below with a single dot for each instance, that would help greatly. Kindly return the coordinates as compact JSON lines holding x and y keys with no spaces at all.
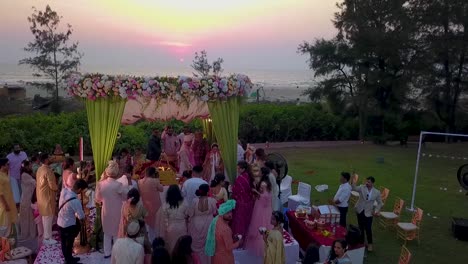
{"x":127,"y":250}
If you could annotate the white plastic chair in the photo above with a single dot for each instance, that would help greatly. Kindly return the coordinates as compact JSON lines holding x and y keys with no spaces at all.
{"x":301,"y":198}
{"x":285,"y":188}
{"x":356,"y":255}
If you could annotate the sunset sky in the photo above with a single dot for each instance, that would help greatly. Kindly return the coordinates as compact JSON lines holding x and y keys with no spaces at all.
{"x":254,"y":34}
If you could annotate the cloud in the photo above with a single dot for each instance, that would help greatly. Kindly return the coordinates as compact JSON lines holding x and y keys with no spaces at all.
{"x":174,"y":44}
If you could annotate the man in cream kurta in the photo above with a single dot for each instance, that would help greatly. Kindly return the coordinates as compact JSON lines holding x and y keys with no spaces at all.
{"x":46,"y":191}
{"x":127,"y":250}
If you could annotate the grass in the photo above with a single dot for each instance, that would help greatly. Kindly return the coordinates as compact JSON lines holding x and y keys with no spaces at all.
{"x":396,"y":173}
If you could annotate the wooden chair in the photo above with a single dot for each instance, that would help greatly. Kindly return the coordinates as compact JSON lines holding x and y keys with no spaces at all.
{"x":384,"y":192}
{"x":405,"y":256}
{"x":410,"y":231}
{"x":391,"y":218}
{"x":354,"y":195}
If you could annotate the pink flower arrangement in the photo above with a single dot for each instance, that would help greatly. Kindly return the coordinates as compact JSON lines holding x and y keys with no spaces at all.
{"x":213,"y":88}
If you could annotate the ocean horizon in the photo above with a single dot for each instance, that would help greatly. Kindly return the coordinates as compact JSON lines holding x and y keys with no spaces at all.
{"x":274,"y":81}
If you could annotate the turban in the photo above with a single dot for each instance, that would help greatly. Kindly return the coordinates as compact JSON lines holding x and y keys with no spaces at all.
{"x":210,"y":244}
{"x":133,"y":228}
{"x":112,"y":169}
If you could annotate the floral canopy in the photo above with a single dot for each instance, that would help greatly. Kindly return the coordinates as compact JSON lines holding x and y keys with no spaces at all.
{"x":114,"y":100}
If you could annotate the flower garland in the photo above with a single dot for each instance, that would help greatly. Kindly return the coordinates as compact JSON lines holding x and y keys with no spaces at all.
{"x":179,"y":89}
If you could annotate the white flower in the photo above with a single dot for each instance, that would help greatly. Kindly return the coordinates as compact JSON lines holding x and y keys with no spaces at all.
{"x":177,"y":97}
{"x":204,"y":98}
{"x":185,"y":86}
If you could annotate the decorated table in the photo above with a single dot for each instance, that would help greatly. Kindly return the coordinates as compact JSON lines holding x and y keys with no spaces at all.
{"x":306,"y":235}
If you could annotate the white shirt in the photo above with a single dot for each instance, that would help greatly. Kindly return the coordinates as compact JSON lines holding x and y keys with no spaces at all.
{"x":343,"y":194}
{"x":72,"y":209}
{"x":127,"y":251}
{"x":240,"y":153}
{"x":190,"y":187}
{"x":124,"y":182}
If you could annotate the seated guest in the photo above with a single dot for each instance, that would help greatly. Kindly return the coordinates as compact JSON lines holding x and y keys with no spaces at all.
{"x":69,"y":227}
{"x":160,"y":253}
{"x":338,"y":253}
{"x":274,"y":246}
{"x":219,"y":240}
{"x":183,"y":253}
{"x":127,"y":250}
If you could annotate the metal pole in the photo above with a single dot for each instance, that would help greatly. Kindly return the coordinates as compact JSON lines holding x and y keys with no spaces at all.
{"x":419,"y":155}
{"x":416,"y":171}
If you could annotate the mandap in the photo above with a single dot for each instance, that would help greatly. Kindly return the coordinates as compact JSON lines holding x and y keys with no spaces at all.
{"x":114,"y":100}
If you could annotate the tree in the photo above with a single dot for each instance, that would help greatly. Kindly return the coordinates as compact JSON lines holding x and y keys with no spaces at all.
{"x":54,"y":55}
{"x":381,"y":41}
{"x":443,"y":37}
{"x":368,"y":62}
{"x":333,"y":62}
{"x":203,"y":68}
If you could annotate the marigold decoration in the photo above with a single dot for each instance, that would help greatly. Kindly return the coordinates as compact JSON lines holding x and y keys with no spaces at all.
{"x":179,"y":89}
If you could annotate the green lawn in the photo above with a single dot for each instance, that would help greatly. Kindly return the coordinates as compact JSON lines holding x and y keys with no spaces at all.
{"x":396,"y":173}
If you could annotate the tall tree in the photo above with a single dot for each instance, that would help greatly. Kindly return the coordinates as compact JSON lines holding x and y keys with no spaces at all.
{"x":334,"y":64}
{"x":54,"y":56}
{"x":443,"y":36}
{"x":379,"y":33}
{"x":369,"y":59}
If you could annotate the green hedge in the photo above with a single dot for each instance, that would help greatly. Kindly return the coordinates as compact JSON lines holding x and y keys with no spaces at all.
{"x":258,"y":123}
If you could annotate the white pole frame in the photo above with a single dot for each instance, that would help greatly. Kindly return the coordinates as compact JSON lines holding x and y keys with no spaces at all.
{"x":418,"y":157}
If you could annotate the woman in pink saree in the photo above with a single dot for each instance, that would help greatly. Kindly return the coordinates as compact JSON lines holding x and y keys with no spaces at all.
{"x":261,"y":216}
{"x":186,"y":157}
{"x":242,"y":193}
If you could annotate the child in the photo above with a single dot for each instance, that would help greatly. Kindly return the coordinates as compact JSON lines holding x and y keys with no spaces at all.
{"x":274,"y":247}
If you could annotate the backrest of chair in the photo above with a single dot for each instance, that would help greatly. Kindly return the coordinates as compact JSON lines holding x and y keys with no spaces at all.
{"x":417,"y":216}
{"x":405,"y":256}
{"x":286,"y":182}
{"x":304,"y":190}
{"x":398,"y":206}
{"x":354,"y":178}
{"x":356,"y":255}
{"x":384,"y":194}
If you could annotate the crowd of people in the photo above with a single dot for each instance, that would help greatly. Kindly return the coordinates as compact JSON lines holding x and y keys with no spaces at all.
{"x":198,"y":221}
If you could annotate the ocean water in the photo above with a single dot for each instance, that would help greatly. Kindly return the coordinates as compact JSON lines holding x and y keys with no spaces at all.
{"x":271,"y":80}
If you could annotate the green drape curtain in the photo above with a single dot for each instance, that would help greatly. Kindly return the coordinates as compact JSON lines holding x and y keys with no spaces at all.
{"x":104,"y":117}
{"x":208,"y":130}
{"x":225,"y":121}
